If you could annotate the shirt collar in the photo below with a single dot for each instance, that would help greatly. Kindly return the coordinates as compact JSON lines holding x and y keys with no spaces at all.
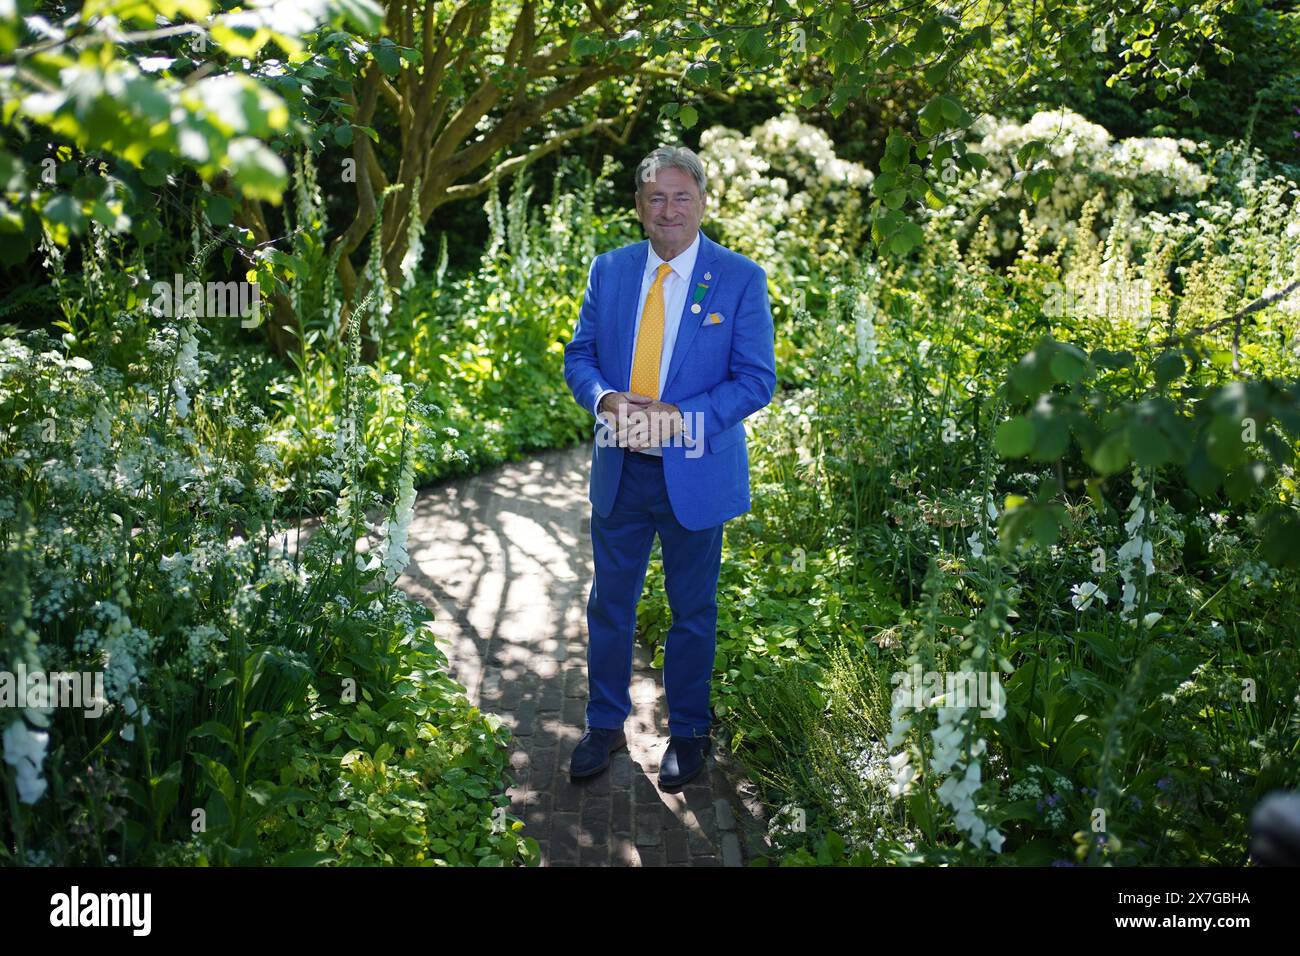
{"x":683,"y":264}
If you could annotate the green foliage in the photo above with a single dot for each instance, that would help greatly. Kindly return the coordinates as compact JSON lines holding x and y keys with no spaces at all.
{"x":485,"y":348}
{"x":954,"y":486}
{"x":268,"y":707}
{"x":140,"y":110}
{"x":139,"y":535}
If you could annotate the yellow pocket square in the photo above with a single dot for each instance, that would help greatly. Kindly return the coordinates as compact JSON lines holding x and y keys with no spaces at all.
{"x":715,"y":318}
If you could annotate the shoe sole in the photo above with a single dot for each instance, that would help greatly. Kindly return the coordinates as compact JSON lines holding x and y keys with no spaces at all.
{"x":603,"y":767}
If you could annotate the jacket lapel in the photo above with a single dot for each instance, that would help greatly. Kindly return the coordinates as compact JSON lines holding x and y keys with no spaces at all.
{"x":629,"y":292}
{"x":690,"y":322}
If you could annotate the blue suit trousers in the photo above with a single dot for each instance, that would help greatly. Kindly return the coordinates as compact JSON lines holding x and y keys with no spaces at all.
{"x":621,"y":545}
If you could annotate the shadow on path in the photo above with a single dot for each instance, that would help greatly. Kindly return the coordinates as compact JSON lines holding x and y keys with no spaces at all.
{"x":504,"y":560}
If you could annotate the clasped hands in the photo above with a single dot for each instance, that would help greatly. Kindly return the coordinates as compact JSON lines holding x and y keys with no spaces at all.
{"x":641,"y":421}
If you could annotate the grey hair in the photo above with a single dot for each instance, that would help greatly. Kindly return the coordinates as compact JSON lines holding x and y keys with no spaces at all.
{"x":666,"y":157}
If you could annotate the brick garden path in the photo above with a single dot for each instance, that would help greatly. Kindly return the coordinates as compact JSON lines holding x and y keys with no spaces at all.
{"x":504,"y":560}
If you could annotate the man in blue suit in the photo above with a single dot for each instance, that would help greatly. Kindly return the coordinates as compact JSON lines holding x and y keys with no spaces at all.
{"x":673,"y":349}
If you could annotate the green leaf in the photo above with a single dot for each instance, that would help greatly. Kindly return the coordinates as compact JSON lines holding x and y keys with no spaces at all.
{"x":219,"y":209}
{"x":1046,"y":526}
{"x":1203,"y":477}
{"x":900,"y":243}
{"x":584,"y":45}
{"x":1068,"y":364}
{"x":303,"y":858}
{"x":239,"y":40}
{"x":386,"y":55}
{"x":1112,"y":454}
{"x":1223,"y":443}
{"x":1242,"y":483}
{"x":1052,"y":440}
{"x":212,"y":728}
{"x":928,"y":38}
{"x":364,"y":16}
{"x":1030,"y":151}
{"x":935,"y":197}
{"x":1014,"y":438}
{"x":1032,"y":375}
{"x":1105,"y":358}
{"x":258,"y":172}
{"x":1038,"y":184}
{"x":1151,"y":448}
{"x":812,"y":96}
{"x":65,"y":211}
{"x":954,"y":114}
{"x":1168,"y":367}
{"x":753,"y":46}
{"x":165,"y":788}
{"x":688,"y":116}
{"x":1279,"y":531}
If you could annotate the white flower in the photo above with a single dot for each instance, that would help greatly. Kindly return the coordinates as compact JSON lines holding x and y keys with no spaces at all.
{"x":187,"y":369}
{"x":1083,"y":595}
{"x":1131,"y":525}
{"x":397,"y":527}
{"x":899,"y":730}
{"x":24,"y":750}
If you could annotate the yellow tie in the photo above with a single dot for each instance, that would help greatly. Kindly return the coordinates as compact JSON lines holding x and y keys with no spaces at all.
{"x":650,"y":338}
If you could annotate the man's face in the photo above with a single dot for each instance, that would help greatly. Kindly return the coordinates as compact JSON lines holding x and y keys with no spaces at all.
{"x":670,"y":208}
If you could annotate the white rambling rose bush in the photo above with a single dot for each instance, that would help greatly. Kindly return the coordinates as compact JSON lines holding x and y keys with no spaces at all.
{"x":1087,"y":160}
{"x":782,"y":196}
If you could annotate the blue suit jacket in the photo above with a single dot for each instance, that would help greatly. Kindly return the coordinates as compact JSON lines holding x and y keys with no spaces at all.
{"x":721,"y":372}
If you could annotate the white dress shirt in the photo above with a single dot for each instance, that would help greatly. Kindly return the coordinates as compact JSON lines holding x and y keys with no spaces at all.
{"x":675,"y":286}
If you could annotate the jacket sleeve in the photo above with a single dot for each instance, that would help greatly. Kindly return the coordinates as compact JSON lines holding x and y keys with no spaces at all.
{"x":581,"y":358}
{"x":752,"y":382}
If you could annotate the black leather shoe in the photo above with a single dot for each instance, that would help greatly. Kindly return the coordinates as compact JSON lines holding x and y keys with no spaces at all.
{"x":591,"y":756}
{"x":683,"y":760}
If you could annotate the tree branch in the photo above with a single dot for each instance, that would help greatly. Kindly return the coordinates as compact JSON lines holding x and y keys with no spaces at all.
{"x":1260,"y":303}
{"x":515,"y":163}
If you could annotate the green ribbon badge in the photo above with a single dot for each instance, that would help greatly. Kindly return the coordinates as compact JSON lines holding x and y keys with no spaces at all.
{"x":699,"y":292}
